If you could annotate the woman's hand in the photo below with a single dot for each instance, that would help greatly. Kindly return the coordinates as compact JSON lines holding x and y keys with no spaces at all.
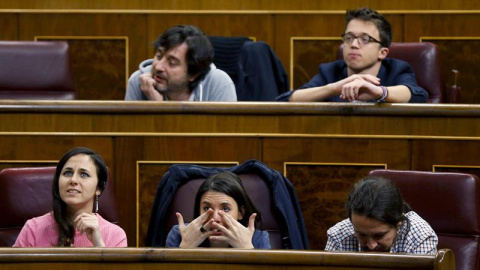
{"x":192,"y":235}
{"x":88,"y":223}
{"x":233,"y":232}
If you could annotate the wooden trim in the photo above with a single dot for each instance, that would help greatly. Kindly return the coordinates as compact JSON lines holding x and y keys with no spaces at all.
{"x":219,"y":12}
{"x":285,"y":164}
{"x":240,"y":108}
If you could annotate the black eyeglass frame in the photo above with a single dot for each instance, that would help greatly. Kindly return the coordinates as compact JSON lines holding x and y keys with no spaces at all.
{"x":358,"y":38}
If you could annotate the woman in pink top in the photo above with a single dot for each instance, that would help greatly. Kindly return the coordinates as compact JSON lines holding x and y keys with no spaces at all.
{"x":80,"y":177}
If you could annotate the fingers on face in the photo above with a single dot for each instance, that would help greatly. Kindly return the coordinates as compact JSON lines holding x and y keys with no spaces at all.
{"x":181,"y":223}
{"x":251,"y":221}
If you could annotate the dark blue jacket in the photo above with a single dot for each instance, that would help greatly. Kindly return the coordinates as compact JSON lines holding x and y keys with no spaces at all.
{"x":392,"y":72}
{"x":283,"y":194}
{"x":254,"y":67}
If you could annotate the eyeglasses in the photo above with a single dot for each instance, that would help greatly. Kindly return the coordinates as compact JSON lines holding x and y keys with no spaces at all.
{"x":362,"y":39}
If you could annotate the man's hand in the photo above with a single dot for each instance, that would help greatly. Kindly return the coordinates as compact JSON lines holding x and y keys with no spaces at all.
{"x":147,"y":85}
{"x":361,"y":89}
{"x":357,"y":87}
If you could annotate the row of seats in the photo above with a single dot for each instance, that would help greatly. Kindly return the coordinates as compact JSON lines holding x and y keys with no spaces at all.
{"x":448,"y":201}
{"x":41,"y":70}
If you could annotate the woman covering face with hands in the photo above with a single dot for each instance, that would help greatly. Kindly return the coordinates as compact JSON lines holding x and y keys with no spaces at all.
{"x":225,"y":217}
{"x":80,"y":178}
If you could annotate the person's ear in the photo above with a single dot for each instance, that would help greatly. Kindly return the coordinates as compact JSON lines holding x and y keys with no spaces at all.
{"x":192,"y":78}
{"x":98,"y":192}
{"x":399,"y":224}
{"x":382,"y":54}
{"x":241,"y":212}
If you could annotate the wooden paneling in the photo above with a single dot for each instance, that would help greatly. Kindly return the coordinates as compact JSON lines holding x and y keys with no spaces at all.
{"x":241,"y":4}
{"x":426,"y":154}
{"x":460,"y":54}
{"x":250,"y":25}
{"x":322,"y":189}
{"x":309,"y":21}
{"x":342,"y":141}
{"x":9,"y":23}
{"x":132,"y":27}
{"x":105,"y":77}
{"x":166,"y":149}
{"x":215,"y":259}
{"x":457,"y":44}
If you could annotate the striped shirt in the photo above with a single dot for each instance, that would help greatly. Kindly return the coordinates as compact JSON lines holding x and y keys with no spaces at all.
{"x":418,"y":238}
{"x":42,"y":232}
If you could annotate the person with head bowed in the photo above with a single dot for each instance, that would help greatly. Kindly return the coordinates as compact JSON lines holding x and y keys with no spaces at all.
{"x":80,"y":178}
{"x":380,"y":220}
{"x":225,"y":217}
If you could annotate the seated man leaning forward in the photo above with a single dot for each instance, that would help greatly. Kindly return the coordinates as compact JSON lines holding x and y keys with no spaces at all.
{"x":224,"y":217}
{"x":364,"y":74}
{"x":181,"y":70}
{"x":380,"y":220}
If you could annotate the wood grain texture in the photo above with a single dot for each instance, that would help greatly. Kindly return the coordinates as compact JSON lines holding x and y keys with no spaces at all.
{"x":249,"y":25}
{"x":347,"y":139}
{"x":97,"y":25}
{"x":9,"y":23}
{"x":322,"y":190}
{"x":241,"y":4}
{"x":210,"y":258}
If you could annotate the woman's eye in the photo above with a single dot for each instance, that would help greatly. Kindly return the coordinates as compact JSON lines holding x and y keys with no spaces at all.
{"x":67,"y":173}
{"x":205,"y":208}
{"x":84,"y":175}
{"x":226,"y":209}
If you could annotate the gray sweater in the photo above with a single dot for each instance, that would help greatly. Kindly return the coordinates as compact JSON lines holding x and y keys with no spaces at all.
{"x":216,"y":86}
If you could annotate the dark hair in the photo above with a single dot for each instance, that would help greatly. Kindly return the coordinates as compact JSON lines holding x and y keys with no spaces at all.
{"x":229,"y":184}
{"x":200,"y":51}
{"x":370,"y":15}
{"x":66,"y":230}
{"x":377,"y":198}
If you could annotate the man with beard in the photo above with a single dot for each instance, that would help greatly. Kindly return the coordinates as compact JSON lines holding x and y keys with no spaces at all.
{"x":364,"y":74}
{"x":380,"y":220}
{"x":181,"y":70}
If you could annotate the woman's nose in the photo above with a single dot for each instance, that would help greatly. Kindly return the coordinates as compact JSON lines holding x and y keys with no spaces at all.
{"x":216,"y":216}
{"x":372,"y":244}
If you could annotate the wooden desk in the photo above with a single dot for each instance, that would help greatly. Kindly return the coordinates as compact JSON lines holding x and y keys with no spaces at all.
{"x":210,"y":259}
{"x":322,"y":147}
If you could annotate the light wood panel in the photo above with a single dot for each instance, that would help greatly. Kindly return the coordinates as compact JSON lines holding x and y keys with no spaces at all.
{"x":210,"y":258}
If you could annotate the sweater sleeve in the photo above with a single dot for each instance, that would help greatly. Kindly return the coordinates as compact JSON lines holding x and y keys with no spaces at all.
{"x":26,"y":238}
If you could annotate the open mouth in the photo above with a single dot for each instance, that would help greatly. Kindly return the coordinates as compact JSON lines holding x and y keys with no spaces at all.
{"x":73,"y":191}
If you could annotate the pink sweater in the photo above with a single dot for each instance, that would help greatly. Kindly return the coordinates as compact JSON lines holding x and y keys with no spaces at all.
{"x":42,"y":232}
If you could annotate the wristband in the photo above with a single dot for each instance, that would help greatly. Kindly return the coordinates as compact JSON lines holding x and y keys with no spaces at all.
{"x":384,"y":95}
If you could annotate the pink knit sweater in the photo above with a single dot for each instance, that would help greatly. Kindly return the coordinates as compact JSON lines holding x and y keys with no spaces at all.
{"x":42,"y":232}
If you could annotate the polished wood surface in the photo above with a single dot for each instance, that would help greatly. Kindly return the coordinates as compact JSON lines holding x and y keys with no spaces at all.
{"x":135,"y":258}
{"x":321,"y":147}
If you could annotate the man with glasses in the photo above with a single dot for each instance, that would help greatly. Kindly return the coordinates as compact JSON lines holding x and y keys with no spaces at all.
{"x":364,"y":74}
